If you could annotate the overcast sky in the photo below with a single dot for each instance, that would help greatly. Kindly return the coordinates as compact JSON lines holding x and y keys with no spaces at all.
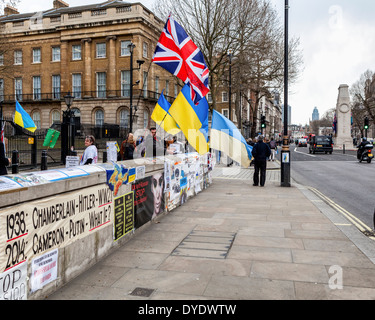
{"x":337,"y":39}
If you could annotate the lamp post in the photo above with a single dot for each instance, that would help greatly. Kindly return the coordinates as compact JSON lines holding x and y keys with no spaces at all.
{"x":67,"y":128}
{"x":230,"y":84}
{"x":131,"y":47}
{"x":285,"y":152}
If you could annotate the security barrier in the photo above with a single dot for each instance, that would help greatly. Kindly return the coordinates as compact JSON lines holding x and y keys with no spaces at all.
{"x":58,"y":223}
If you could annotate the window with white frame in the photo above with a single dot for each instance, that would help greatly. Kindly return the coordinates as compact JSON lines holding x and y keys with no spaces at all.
{"x":77,"y":85}
{"x":55,"y":116}
{"x":1,"y":89}
{"x":145,"y":50}
{"x":17,"y":57}
{"x":157,"y":87}
{"x":1,"y":59}
{"x":37,"y":55}
{"x":18,"y":88}
{"x":125,"y":83}
{"x":56,"y":86}
{"x":99,"y":118}
{"x":125,"y":50}
{"x":124,"y":118}
{"x":101,"y":50}
{"x":76,"y":52}
{"x":56,"y":54}
{"x":145,"y":84}
{"x":36,"y":119}
{"x":225,"y":113}
{"x":166,"y":91}
{"x":209,"y":97}
{"x":146,"y":118}
{"x":224,"y":97}
{"x":37,"y":88}
{"x":101,"y":86}
{"x":175,"y":90}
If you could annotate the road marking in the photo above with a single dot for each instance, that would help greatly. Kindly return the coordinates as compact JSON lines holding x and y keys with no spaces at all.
{"x":353,"y":219}
{"x":306,"y":154}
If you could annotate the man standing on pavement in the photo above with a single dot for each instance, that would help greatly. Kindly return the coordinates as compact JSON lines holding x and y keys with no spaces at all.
{"x":261,"y":151}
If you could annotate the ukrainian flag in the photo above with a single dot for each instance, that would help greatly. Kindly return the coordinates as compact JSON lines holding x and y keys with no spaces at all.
{"x":227,"y":138}
{"x":22,"y":118}
{"x":162,"y":118}
{"x":192,"y":119}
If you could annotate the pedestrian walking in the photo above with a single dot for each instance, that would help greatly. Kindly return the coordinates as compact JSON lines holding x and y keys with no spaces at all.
{"x":273,"y":147}
{"x":90,"y":155}
{"x":261,"y":151}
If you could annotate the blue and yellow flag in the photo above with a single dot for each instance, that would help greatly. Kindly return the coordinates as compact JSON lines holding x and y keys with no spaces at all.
{"x":22,"y":118}
{"x":162,"y":118}
{"x":226,"y":137}
{"x":192,"y":119}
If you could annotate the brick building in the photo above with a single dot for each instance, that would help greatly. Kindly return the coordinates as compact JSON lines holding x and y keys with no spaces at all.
{"x":83,"y":50}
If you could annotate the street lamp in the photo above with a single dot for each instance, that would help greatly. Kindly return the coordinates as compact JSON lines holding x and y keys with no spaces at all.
{"x":285,"y":152}
{"x":131,"y":47}
{"x":230,"y":84}
{"x":67,"y":128}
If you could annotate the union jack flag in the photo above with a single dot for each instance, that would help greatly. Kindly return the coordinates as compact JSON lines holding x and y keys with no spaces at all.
{"x":178,"y":54}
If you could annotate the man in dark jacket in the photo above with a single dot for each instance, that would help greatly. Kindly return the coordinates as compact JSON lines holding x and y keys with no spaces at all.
{"x":261,"y":151}
{"x":4,"y":161}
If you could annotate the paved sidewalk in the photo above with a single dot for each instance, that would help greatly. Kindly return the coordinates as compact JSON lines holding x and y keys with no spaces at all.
{"x":236,"y":241}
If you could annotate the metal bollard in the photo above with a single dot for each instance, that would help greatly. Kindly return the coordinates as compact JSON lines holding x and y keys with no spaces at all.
{"x":104,"y":156}
{"x":15,"y":162}
{"x":44,"y":160}
{"x":343,"y":148}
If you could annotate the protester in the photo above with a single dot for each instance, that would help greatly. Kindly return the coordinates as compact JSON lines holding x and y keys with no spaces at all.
{"x":127,"y":148}
{"x":90,"y":155}
{"x":4,"y":161}
{"x":260,"y":152}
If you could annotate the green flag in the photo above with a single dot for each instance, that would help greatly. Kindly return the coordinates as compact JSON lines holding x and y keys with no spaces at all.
{"x":51,"y":138}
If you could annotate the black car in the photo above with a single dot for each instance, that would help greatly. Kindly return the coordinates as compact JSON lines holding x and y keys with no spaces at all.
{"x":321,"y":144}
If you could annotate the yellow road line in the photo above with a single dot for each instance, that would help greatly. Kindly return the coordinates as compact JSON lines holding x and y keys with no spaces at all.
{"x":353,"y":219}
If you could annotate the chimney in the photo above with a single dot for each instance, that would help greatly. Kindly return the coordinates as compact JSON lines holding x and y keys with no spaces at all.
{"x":59,"y":4}
{"x":8,"y":10}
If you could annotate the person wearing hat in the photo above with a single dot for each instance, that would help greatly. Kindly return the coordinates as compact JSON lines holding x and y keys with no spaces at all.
{"x":261,"y":151}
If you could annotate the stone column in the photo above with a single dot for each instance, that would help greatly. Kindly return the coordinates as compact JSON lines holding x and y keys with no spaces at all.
{"x":111,"y":78}
{"x":87,"y":77}
{"x":343,"y":116}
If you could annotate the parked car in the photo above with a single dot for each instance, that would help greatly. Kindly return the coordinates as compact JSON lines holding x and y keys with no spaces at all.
{"x":302,"y":142}
{"x":321,"y":144}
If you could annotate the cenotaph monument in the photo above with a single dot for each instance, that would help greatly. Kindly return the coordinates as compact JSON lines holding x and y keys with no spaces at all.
{"x":343,"y":116}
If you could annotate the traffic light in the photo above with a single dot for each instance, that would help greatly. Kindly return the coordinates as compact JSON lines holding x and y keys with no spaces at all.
{"x":366,"y":123}
{"x":263,"y":122}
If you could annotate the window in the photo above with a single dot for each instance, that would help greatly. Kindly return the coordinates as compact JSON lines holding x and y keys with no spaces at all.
{"x":101,"y":50}
{"x":224,"y":97}
{"x":99,"y":118}
{"x":145,"y":83}
{"x":56,"y":84}
{"x":37,"y":56}
{"x":36,"y":119}
{"x":225,"y":113}
{"x":55,"y":116}
{"x":157,"y":87}
{"x":145,"y":118}
{"x":145,"y":50}
{"x":166,"y":91}
{"x":1,"y":89}
{"x":18,"y":57}
{"x":56,"y":54}
{"x":77,"y":85}
{"x":209,"y":97}
{"x":175,"y":90}
{"x":125,"y":51}
{"x":101,"y":84}
{"x":124,"y":118}
{"x":76,"y":52}
{"x":18,"y":88}
{"x":37,"y":88}
{"x":1,"y":59}
{"x":125,"y":84}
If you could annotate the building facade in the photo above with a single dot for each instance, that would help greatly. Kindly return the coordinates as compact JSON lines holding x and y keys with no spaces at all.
{"x":85,"y":51}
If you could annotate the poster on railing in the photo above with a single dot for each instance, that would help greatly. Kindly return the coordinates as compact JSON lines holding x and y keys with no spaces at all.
{"x":148,"y":198}
{"x":35,"y":227}
{"x":13,"y":282}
